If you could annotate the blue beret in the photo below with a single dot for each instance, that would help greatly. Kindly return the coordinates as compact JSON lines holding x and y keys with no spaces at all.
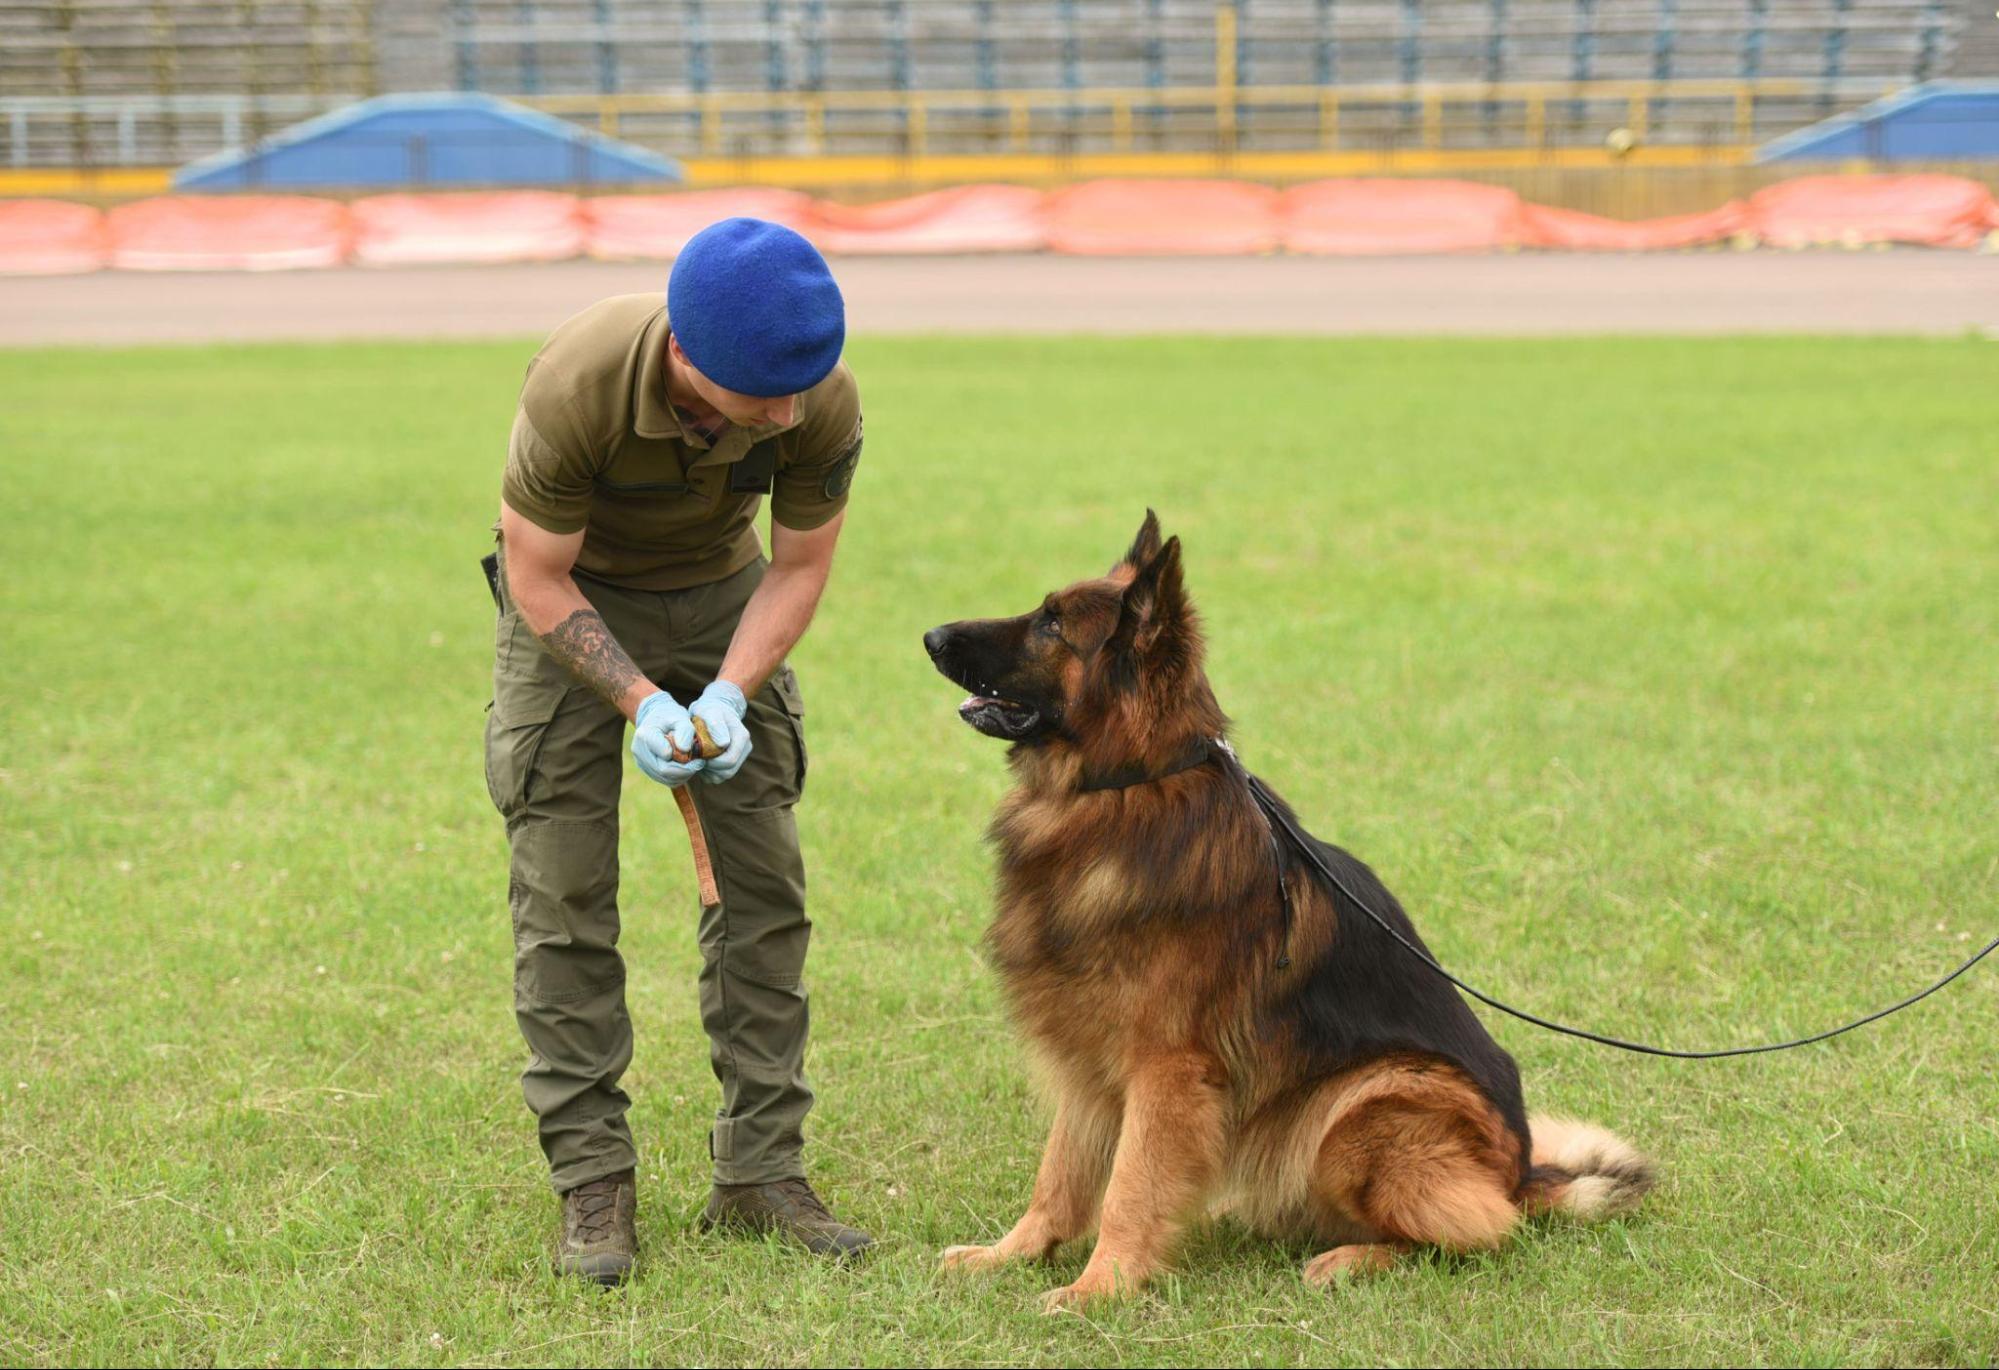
{"x":755,"y":308}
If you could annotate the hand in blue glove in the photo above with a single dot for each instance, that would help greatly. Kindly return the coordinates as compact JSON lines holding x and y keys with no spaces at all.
{"x":660,"y":726}
{"x":722,"y":707}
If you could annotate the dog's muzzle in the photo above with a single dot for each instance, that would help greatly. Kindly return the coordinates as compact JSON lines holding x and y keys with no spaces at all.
{"x":986,"y":709}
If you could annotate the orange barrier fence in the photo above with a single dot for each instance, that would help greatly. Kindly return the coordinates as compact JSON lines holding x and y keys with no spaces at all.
{"x":501,"y":226}
{"x":1936,"y":211}
{"x":228,"y":233}
{"x":1373,"y":217}
{"x":655,"y":227}
{"x":1163,"y":218}
{"x":1097,"y":218}
{"x":1572,"y":230}
{"x":979,"y":218}
{"x":50,"y":238}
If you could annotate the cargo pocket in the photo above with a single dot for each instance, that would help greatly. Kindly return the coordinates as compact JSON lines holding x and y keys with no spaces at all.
{"x":515,"y":730}
{"x":785,"y":685}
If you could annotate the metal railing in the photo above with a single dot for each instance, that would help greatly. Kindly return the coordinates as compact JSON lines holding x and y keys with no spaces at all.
{"x":535,"y":48}
{"x":1218,"y":121}
{"x":1224,"y":117}
{"x":143,"y":130}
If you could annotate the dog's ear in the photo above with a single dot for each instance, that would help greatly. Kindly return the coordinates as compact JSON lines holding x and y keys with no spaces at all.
{"x":1145,"y":546}
{"x":1155,"y":603}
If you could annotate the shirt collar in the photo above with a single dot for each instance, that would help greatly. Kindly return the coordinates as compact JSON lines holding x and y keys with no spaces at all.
{"x":652,"y":413}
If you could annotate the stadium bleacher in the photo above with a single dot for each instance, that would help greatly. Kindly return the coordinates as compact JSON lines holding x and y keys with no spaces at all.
{"x":981,"y":44}
{"x":146,"y":82}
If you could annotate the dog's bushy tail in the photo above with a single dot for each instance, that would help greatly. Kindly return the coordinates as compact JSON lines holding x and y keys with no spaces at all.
{"x":1584,"y":1171}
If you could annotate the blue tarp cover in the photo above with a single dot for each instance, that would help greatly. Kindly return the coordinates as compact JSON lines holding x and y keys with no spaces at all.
{"x":1937,"y":121}
{"x":427,"y":141}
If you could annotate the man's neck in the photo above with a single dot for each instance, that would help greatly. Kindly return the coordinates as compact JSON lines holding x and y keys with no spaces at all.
{"x":681,"y":396}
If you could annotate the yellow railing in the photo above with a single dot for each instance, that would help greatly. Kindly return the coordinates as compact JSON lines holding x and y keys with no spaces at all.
{"x":1227,"y":94}
{"x":1218,"y":118}
{"x":899,"y":139}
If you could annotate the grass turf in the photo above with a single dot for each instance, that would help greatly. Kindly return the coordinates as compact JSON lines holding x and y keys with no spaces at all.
{"x":1656,"y":677}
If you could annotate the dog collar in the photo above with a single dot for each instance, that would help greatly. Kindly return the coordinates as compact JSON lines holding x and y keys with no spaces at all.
{"x":1198,"y":753}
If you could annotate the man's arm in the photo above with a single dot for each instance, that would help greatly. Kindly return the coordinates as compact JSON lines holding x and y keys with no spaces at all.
{"x":538,"y":566}
{"x":781,"y":609}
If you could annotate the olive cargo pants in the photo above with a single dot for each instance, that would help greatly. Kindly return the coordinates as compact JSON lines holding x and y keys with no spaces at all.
{"x":555,"y":756}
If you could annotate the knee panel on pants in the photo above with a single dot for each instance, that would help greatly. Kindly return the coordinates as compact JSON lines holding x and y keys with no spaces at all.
{"x":760,"y":933}
{"x":564,"y":897}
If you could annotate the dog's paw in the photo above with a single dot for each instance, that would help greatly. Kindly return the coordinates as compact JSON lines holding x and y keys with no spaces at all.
{"x":971,"y":1258}
{"x":1072,"y":1298}
{"x":1067,"y":1299}
{"x":1344,"y":1262}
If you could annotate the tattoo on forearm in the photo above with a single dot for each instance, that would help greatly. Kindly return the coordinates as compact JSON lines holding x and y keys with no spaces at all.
{"x":584,"y":644}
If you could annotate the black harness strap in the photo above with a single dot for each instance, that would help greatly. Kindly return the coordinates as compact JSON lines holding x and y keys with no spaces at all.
{"x":1284,"y":830}
{"x":1280,"y":821}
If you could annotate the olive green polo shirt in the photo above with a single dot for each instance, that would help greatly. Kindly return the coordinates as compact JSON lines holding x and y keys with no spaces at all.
{"x":597,"y":447}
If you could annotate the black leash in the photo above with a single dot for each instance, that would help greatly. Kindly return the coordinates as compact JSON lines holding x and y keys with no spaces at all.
{"x":1302,"y":843}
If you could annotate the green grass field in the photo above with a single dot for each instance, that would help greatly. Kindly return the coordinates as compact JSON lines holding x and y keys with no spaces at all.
{"x":1656,"y":677}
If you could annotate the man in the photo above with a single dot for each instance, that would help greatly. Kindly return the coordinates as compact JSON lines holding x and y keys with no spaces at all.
{"x":633,"y":587}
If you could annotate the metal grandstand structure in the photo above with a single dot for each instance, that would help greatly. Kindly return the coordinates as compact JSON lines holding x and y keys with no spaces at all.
{"x":703,"y":45}
{"x":110,"y":83}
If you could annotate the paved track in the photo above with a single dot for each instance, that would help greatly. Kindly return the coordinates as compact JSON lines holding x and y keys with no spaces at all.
{"x":1712,"y":292}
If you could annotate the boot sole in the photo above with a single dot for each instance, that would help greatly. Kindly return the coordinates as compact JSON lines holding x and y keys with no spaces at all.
{"x":607,"y":1271}
{"x":737,"y":1227}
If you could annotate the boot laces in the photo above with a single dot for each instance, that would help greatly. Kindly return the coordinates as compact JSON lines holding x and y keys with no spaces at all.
{"x":800,"y":1194}
{"x":596,"y":1208}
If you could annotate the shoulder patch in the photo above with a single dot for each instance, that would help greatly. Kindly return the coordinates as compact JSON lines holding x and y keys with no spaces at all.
{"x":841,"y":475}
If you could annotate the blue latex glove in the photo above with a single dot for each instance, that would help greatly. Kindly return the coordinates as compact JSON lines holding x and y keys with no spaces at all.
{"x":722,"y":707}
{"x":661,"y":725}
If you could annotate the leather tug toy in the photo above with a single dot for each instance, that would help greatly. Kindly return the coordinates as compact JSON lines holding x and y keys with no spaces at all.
{"x":704,"y":868}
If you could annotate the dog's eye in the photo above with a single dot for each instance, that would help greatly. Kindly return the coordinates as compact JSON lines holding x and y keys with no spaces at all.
{"x":1051,"y":622}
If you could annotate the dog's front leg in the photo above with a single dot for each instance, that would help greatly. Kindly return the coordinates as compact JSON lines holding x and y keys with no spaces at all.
{"x":1169,"y":1156}
{"x":1066,"y":1189}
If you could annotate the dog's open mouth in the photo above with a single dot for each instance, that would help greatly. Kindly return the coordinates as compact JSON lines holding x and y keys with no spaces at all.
{"x":999,"y":717}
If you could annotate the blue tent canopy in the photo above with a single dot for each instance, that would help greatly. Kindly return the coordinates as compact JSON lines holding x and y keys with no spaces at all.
{"x":1937,"y":121}
{"x":420,"y":141}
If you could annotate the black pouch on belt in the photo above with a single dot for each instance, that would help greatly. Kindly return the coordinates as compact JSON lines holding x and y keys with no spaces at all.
{"x":491,"y":564}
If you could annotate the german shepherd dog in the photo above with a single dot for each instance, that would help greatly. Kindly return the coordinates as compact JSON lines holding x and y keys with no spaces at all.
{"x":1220,"y":1029}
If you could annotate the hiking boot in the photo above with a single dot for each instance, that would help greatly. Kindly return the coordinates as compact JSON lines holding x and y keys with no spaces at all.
{"x":791,"y":1210}
{"x":599,"y":1229}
